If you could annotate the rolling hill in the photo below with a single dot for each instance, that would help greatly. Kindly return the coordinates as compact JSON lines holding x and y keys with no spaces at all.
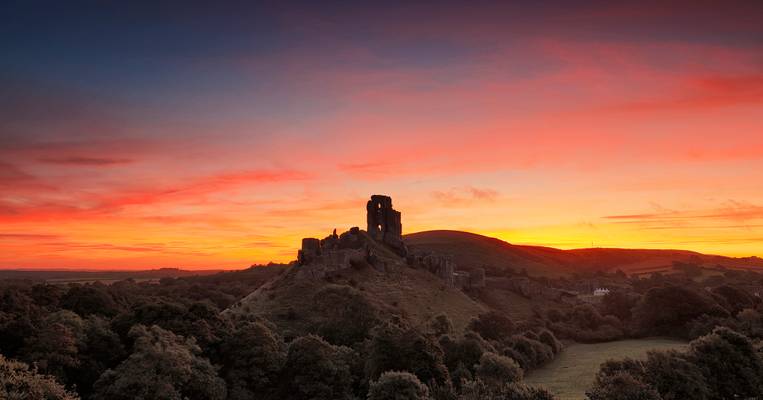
{"x":470,"y":250}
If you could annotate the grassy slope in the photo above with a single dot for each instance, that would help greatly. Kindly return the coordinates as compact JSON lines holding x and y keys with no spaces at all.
{"x":415,"y":294}
{"x":470,"y":250}
{"x":573,"y":371}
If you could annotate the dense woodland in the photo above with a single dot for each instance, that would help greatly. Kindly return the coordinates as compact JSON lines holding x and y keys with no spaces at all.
{"x":170,"y":340}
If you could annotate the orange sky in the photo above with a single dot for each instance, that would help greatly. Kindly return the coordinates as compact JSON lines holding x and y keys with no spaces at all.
{"x":602,"y":126}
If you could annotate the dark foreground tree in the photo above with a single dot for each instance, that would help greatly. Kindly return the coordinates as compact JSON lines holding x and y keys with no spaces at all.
{"x":161,"y":366}
{"x":393,"y":385}
{"x":396,"y":346}
{"x":17,"y":381}
{"x":316,"y":370}
{"x":252,"y":358}
{"x":345,"y":315}
{"x":674,"y":376}
{"x":729,"y":363}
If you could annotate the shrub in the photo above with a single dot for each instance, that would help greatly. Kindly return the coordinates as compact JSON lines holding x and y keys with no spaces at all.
{"x":394,"y":385}
{"x":478,"y":390}
{"x":548,"y":338}
{"x":464,"y":351}
{"x":441,"y":325}
{"x":496,"y":370}
{"x":619,"y":303}
{"x":621,"y":386}
{"x":492,"y":325}
{"x":532,"y":353}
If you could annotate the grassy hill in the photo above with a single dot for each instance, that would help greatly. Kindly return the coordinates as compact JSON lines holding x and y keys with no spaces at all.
{"x":574,"y":370}
{"x":471,"y":250}
{"x":413,"y":294}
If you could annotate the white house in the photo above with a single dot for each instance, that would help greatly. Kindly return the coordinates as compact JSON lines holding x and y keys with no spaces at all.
{"x":601,"y":292}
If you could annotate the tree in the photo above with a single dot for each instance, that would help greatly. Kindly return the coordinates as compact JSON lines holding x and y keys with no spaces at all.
{"x":345,"y":314}
{"x":621,"y":386}
{"x":17,"y":381}
{"x":733,"y":299}
{"x":667,"y":310}
{"x":674,"y":376}
{"x":99,"y":348}
{"x":252,"y":357}
{"x":497,"y":370}
{"x":619,"y":303}
{"x":393,"y":385}
{"x":729,"y":363}
{"x":161,"y":366}
{"x":90,"y":299}
{"x":395,"y":346}
{"x":464,"y":351}
{"x":492,"y":325}
{"x":751,"y":322}
{"x":316,"y":370}
{"x":53,"y":347}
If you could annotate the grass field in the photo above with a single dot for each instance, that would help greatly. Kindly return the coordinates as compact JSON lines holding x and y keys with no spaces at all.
{"x":573,"y":371}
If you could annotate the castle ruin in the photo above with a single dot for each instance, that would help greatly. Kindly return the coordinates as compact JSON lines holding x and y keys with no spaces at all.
{"x":380,"y":247}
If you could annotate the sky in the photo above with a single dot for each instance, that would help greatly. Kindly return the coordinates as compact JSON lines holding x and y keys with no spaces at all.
{"x":140,"y":135}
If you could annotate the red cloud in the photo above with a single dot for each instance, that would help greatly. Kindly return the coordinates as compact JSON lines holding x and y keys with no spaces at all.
{"x":705,"y":92}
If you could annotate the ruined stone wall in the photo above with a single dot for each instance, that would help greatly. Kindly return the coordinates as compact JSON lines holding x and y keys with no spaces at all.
{"x":440,"y":265}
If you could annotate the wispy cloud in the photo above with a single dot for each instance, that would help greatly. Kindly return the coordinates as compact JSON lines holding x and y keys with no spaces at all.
{"x":730,"y":210}
{"x":85,"y":161}
{"x":464,"y":196}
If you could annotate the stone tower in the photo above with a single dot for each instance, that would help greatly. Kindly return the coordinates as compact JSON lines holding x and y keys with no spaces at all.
{"x":384,"y":223}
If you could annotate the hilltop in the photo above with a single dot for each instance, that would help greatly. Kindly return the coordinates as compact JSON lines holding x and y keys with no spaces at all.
{"x":372,"y":268}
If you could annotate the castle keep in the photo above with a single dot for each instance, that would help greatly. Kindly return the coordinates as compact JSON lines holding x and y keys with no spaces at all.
{"x":384,"y":223}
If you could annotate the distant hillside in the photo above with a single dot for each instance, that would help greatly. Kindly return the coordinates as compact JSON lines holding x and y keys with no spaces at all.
{"x":471,"y":250}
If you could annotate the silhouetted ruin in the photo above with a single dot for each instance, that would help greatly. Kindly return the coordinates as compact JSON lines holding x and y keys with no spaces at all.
{"x":380,"y":247}
{"x":384,"y":223}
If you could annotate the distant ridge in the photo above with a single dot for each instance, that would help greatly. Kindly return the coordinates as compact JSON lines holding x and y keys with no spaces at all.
{"x":471,"y":250}
{"x":76,"y":275}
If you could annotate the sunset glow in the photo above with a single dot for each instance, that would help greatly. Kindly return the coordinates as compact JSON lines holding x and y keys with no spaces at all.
{"x":219,"y":138}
